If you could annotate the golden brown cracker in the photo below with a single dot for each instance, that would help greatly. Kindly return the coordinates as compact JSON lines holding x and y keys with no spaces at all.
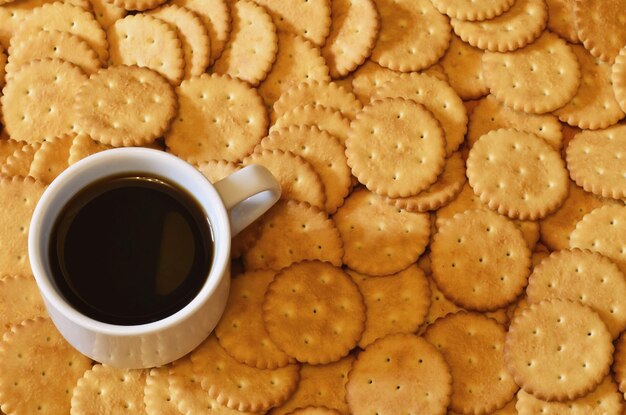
{"x":516,"y":28}
{"x":39,"y":369}
{"x":18,"y":163}
{"x":473,"y":10}
{"x":109,"y":390}
{"x":325,"y":154}
{"x":395,"y":303}
{"x":326,"y":119}
{"x":314,"y":312}
{"x":396,"y":147}
{"x":561,"y":19}
{"x":51,"y":159}
{"x":585,"y":276}
{"x":21,"y":300}
{"x":601,"y":26}
{"x":297,"y":60}
{"x":52,"y":44}
{"x":595,"y":161}
{"x":398,"y":372}
{"x":464,"y":68}
{"x":539,"y":78}
{"x":558,"y":350}
{"x":490,"y":114}
{"x":107,"y":13}
{"x":618,"y":78}
{"x":320,"y":385}
{"x":192,"y":34}
{"x":241,"y":331}
{"x":517,"y":174}
{"x":237,"y":385}
{"x":18,"y":197}
{"x":8,"y":146}
{"x":219,"y":118}
{"x":125,"y":106}
{"x":83,"y":146}
{"x":297,"y":177}
{"x":70,"y":18}
{"x":594,"y":106}
{"x":435,"y":95}
{"x":36,"y":99}
{"x":328,"y":94}
{"x":449,"y":183}
{"x":384,"y":245}
{"x":293,"y":232}
{"x":138,"y":5}
{"x":413,"y":35}
{"x":480,"y":260}
{"x":473,"y":346}
{"x":157,"y":395}
{"x":253,"y":44}
{"x":146,"y":41}
{"x":352,"y":37}
{"x":309,"y":19}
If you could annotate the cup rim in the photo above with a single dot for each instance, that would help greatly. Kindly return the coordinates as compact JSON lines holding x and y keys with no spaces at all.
{"x":38,"y":257}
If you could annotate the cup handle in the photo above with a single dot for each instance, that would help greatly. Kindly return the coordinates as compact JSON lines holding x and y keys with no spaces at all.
{"x":247,"y":194}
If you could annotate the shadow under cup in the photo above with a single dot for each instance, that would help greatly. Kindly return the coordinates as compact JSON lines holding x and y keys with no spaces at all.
{"x":133,"y":345}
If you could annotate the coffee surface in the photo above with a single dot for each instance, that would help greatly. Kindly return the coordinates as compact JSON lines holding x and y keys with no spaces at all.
{"x":130,"y":250}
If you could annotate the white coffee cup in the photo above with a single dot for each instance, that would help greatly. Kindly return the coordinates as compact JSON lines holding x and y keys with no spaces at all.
{"x":230,"y":205}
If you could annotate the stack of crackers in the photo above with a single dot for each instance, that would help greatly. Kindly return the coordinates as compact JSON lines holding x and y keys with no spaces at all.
{"x":452,"y":234}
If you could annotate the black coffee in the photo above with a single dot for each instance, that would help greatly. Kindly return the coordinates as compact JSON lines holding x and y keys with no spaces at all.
{"x":131,"y":250}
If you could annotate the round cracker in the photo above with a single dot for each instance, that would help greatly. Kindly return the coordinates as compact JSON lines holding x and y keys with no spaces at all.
{"x":512,"y":30}
{"x":67,"y":18}
{"x":21,"y":299}
{"x":353,"y":35}
{"x":326,"y":119}
{"x":473,"y":10}
{"x":325,"y":154}
{"x":473,"y":346}
{"x":241,"y":331}
{"x":327,"y":94}
{"x":595,"y":160}
{"x":480,"y":260}
{"x":594,"y":105}
{"x":449,"y":183}
{"x":237,"y":385}
{"x":396,"y":147}
{"x":18,"y":163}
{"x":293,"y":232}
{"x":297,"y":61}
{"x":215,"y":15}
{"x":539,"y":78}
{"x":490,"y":114}
{"x":604,"y":399}
{"x":314,"y":312}
{"x":561,"y":19}
{"x":157,"y":395}
{"x":436,"y":96}
{"x":192,"y":34}
{"x":413,"y":35}
{"x":37,"y":97}
{"x":297,"y":177}
{"x":125,"y":106}
{"x":146,"y":41}
{"x":517,"y":174}
{"x":618,"y":78}
{"x":52,"y":44}
{"x":399,"y":372}
{"x":603,"y":230}
{"x":395,"y":303}
{"x":393,"y":242}
{"x":585,"y":276}
{"x":39,"y":369}
{"x":464,"y":68}
{"x":322,"y":385}
{"x":556,"y":228}
{"x":309,"y":19}
{"x":109,"y":390}
{"x":219,"y":118}
{"x":185,"y":387}
{"x":558,"y":350}
{"x":107,"y":13}
{"x":253,"y":44}
{"x":51,"y":159}
{"x":83,"y":146}
{"x":601,"y":26}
